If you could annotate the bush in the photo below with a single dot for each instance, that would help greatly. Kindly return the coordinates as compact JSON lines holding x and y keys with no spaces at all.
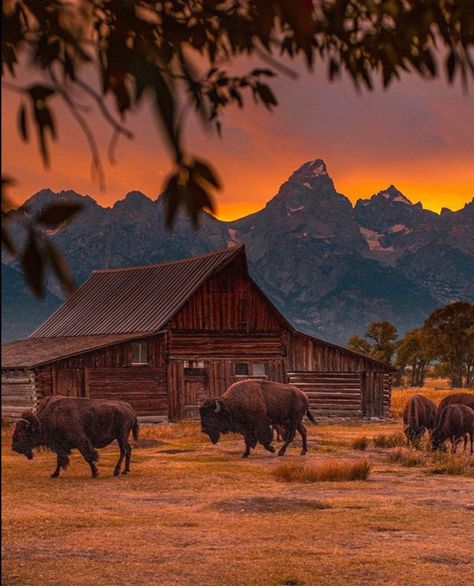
{"x":360,"y":443}
{"x":332,"y":471}
{"x":407,"y":457}
{"x":389,"y":441}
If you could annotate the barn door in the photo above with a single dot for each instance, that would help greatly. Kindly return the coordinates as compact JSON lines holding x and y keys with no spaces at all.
{"x":196,"y":389}
{"x":70,"y":382}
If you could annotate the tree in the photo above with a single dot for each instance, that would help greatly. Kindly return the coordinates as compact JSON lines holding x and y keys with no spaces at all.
{"x":451,"y":330}
{"x":415,"y":350}
{"x":149,"y":50}
{"x":379,"y":341}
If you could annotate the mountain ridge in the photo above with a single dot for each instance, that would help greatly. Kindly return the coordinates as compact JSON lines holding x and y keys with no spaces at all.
{"x":329,"y":265}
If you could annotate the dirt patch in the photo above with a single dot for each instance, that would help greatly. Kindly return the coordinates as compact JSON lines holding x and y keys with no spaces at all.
{"x":176,"y":451}
{"x":150,"y":443}
{"x":269,"y":505}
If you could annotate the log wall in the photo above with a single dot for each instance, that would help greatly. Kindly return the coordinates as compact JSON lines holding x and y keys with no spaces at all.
{"x":18,"y":393}
{"x":331,"y":394}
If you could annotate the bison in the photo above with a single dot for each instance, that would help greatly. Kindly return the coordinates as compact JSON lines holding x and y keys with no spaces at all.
{"x":457,"y":399}
{"x":62,"y":424}
{"x":419,"y":415}
{"x":251,"y":407}
{"x":455,"y":422}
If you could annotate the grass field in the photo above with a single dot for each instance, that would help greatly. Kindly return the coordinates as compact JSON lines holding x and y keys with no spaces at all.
{"x":196,"y":514}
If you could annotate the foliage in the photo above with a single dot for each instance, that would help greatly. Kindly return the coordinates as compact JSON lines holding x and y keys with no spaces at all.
{"x":330,"y":471}
{"x":175,"y":54}
{"x":451,"y":333}
{"x":416,"y":349}
{"x":378,"y":342}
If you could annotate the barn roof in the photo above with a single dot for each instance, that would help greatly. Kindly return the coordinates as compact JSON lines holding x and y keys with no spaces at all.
{"x":133,"y":299}
{"x":35,"y":351}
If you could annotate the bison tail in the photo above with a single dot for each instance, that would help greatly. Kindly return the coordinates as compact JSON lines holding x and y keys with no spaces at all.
{"x":135,"y":429}
{"x":310,"y":416}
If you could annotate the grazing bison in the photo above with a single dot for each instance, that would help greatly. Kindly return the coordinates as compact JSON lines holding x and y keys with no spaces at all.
{"x":455,"y":422}
{"x":62,"y":424}
{"x":251,"y":407}
{"x":457,"y":399}
{"x":419,"y":415}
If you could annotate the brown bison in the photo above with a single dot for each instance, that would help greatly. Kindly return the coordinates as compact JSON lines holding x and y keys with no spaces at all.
{"x":419,"y":415}
{"x":251,"y":407}
{"x":62,"y":424}
{"x":455,"y":422}
{"x":457,"y":399}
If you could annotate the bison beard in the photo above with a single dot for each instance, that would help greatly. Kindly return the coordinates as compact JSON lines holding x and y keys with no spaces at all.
{"x":250,"y":408}
{"x":66,"y":423}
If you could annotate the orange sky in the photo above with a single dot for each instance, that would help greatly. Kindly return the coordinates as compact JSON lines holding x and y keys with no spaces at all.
{"x":417,"y":135}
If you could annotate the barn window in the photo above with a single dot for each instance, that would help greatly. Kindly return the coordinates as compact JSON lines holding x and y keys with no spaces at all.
{"x":259,"y":370}
{"x":241,"y":369}
{"x":139,"y":353}
{"x":194,"y":367}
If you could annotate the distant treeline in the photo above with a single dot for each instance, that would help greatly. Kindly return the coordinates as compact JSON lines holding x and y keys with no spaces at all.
{"x":444,"y":345}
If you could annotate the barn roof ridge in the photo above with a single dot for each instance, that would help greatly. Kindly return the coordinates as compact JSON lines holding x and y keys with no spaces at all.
{"x":218,"y":252}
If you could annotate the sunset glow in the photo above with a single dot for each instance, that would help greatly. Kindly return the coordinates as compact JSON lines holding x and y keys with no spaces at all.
{"x":417,"y":136}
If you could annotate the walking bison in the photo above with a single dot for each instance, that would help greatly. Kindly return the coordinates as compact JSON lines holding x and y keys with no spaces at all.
{"x":419,"y":415}
{"x":455,"y":422}
{"x":251,"y":408}
{"x":62,"y":424}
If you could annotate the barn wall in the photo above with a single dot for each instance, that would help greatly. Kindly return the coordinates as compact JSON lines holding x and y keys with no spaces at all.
{"x":107,"y":373}
{"x":331,"y":394}
{"x":228,"y":301}
{"x":18,"y":393}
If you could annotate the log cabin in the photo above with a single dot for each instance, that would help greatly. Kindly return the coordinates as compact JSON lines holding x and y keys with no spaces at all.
{"x":165,"y":337}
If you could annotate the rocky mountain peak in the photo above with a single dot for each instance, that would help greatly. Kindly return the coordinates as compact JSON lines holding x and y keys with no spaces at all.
{"x":48,"y":196}
{"x":134,"y":200}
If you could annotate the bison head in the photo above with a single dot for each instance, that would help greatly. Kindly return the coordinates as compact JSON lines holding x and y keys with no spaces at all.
{"x":413,"y":433}
{"x":437,"y":441}
{"x":215,"y":419}
{"x":25,"y":434}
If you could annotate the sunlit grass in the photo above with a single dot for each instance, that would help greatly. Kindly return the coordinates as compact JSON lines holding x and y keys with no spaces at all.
{"x":400,"y":396}
{"x":389,"y":441}
{"x":330,"y":471}
{"x":360,"y":443}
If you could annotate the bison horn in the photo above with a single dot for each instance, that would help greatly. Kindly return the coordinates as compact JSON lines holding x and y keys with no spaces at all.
{"x":28,"y":423}
{"x":218,"y":407}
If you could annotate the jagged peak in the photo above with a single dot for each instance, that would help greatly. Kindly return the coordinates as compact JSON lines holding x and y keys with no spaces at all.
{"x":309,"y":171}
{"x":133,"y":198}
{"x":47,"y":195}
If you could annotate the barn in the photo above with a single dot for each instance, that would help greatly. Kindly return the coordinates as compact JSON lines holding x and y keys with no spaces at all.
{"x":165,"y":337}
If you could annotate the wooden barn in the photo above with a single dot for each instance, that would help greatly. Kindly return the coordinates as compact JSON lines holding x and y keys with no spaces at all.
{"x":165,"y":337}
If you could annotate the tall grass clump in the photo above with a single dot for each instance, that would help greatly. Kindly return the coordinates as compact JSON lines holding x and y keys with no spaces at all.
{"x":407,"y":458}
{"x":452,"y":465}
{"x":360,"y":443}
{"x":331,"y":471}
{"x":389,"y":441}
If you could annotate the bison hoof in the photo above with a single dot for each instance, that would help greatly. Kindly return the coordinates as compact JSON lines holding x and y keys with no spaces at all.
{"x":281,"y":453}
{"x":303,"y":453}
{"x":270,"y":449}
{"x":244,"y":455}
{"x":116,"y":471}
{"x":126,"y":472}
{"x":54,"y":475}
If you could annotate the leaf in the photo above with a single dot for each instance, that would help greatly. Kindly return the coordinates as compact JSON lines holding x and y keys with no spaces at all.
{"x":60,"y":268}
{"x":23,"y":123}
{"x":173,"y":200}
{"x":32,"y":264}
{"x":57,"y":213}
{"x":207,"y":173}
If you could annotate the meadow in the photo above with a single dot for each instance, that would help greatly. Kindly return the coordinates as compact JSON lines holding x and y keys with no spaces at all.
{"x":194,"y":513}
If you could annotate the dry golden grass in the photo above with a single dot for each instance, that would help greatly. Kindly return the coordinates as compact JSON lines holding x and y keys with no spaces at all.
{"x":195,"y":514}
{"x":401,"y":395}
{"x":329,"y":471}
{"x":389,"y":441}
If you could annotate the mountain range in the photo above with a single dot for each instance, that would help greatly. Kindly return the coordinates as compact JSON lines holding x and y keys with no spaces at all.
{"x":331,"y":267}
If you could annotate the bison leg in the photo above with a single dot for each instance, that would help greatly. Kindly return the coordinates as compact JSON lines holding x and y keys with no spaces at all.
{"x":248,"y":445}
{"x":265,"y":437}
{"x":90,"y":455}
{"x":62,"y":461}
{"x":301,"y":428}
{"x":290,"y":436}
{"x":127,"y":459}
{"x":123,"y":451}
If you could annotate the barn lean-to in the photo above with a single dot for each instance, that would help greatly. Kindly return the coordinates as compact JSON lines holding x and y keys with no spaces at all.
{"x":166,"y":337}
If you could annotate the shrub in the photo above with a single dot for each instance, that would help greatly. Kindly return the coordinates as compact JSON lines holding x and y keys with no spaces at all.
{"x":452,"y":465}
{"x":360,"y":443}
{"x":389,"y":441}
{"x":333,"y":470}
{"x":407,"y":457}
